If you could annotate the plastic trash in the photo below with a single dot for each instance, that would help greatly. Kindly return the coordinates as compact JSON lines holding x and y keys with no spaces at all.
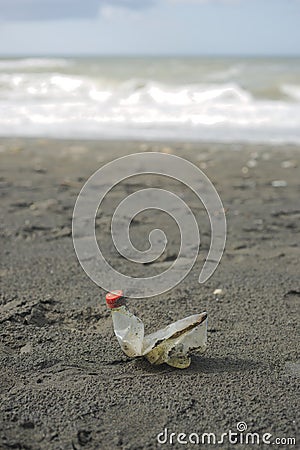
{"x":172,"y":345}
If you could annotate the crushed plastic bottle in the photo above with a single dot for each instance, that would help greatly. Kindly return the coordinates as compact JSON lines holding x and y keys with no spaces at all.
{"x":128,"y":328}
{"x":172,"y":345}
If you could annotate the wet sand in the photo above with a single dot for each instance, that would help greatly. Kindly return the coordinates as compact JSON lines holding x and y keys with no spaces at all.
{"x":65,"y":383}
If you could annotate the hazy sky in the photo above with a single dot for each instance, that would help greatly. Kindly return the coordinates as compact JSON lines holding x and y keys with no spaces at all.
{"x":149,"y":27}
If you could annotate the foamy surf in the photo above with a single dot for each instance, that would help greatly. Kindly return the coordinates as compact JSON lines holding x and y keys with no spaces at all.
{"x":151,"y":99}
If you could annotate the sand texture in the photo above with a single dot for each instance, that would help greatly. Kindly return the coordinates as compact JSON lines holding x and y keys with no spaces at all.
{"x":65,"y":383}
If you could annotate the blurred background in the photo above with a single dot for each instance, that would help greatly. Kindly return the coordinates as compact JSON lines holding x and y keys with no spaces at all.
{"x":203,"y":70}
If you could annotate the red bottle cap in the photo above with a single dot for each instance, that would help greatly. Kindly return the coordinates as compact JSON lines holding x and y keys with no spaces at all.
{"x":113,"y":299}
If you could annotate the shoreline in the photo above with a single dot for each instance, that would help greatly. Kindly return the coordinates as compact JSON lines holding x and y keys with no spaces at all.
{"x":229,"y":145}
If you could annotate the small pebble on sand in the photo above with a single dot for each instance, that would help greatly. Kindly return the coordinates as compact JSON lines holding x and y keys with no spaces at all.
{"x":218,"y":291}
{"x":26,"y":348}
{"x":288,"y":164}
{"x":252,"y":163}
{"x":279,"y":183}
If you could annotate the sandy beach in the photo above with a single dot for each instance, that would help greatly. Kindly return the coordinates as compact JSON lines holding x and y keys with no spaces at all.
{"x":65,"y":384}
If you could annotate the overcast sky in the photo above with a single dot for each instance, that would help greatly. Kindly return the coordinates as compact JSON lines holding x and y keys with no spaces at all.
{"x":209,"y":27}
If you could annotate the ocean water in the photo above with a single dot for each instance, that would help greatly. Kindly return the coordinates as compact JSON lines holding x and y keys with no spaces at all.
{"x":201,"y":99}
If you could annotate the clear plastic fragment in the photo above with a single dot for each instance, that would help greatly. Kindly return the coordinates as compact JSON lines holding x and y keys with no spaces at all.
{"x":172,"y":345}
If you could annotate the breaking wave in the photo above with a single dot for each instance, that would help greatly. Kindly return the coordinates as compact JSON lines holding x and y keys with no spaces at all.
{"x":54,"y":97}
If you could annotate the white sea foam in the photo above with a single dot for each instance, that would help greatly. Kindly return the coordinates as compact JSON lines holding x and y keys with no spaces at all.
{"x":292,"y":91}
{"x":92,"y":99}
